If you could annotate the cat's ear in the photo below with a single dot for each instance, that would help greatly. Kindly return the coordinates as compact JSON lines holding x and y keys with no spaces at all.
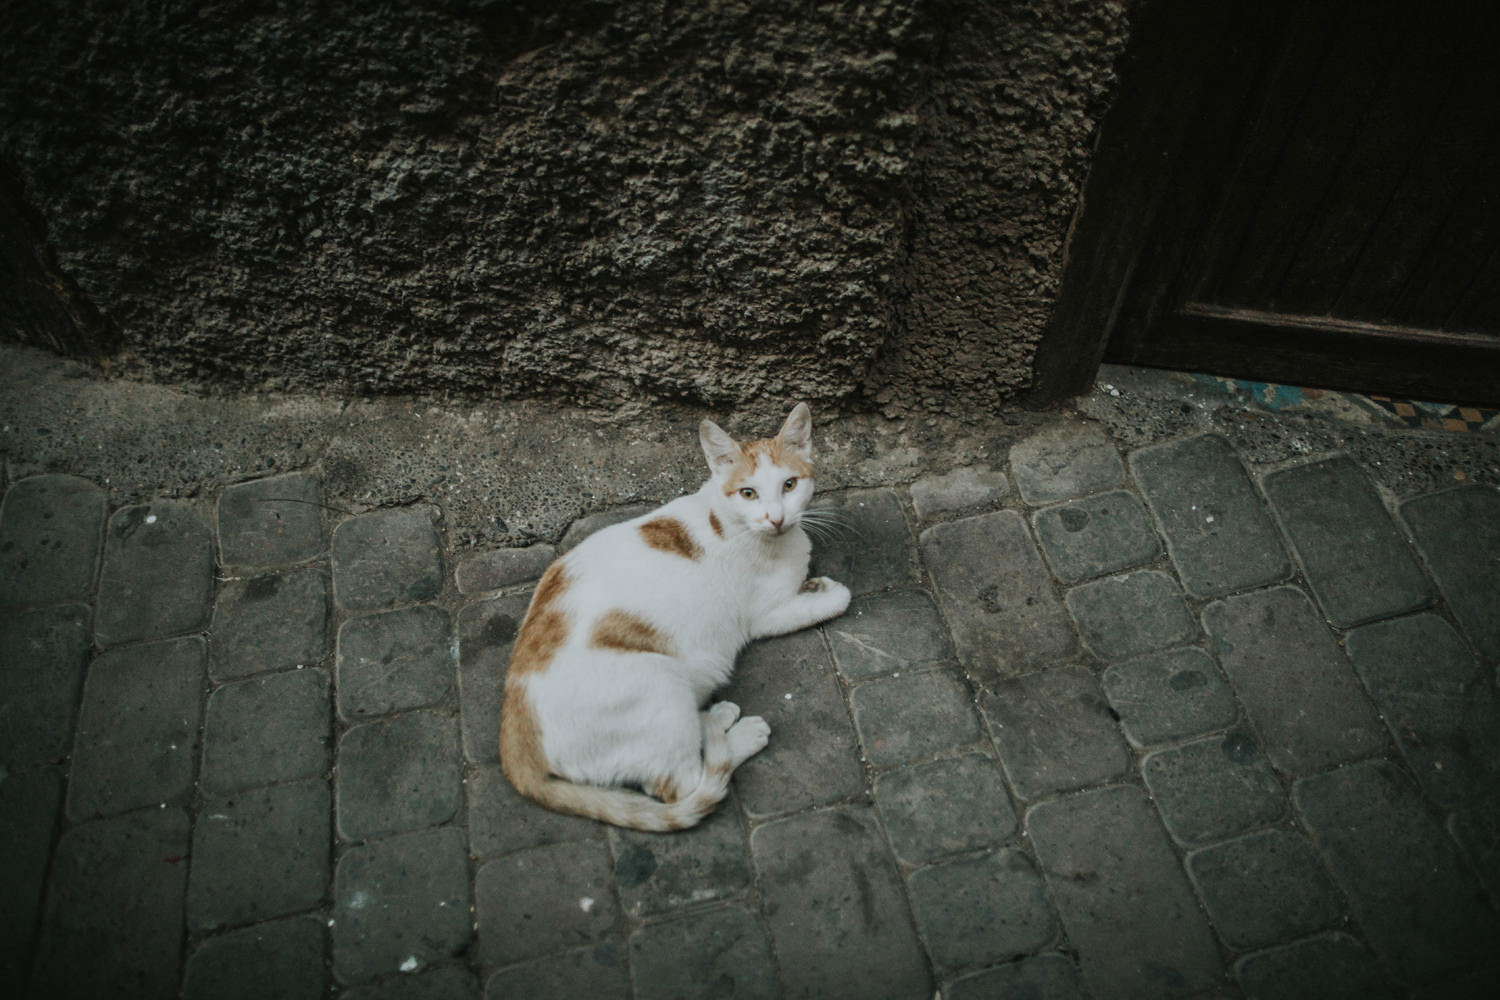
{"x":796,"y":433}
{"x":721,"y":450}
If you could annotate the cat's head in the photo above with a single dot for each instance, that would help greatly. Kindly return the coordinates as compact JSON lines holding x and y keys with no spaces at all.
{"x":766,"y":484}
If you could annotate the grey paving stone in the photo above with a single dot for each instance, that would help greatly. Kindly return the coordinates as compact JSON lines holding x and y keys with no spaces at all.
{"x":1132,"y":614}
{"x":400,"y":900}
{"x":1476,"y":828}
{"x":138,"y":728}
{"x":501,"y":821}
{"x":883,"y":633}
{"x":997,"y":596}
{"x":282,"y":959}
{"x":267,"y":729}
{"x":981,"y":911}
{"x":722,"y":952}
{"x":545,"y":900}
{"x":1359,"y":566}
{"x":601,"y":971}
{"x":387,"y":557}
{"x":1097,"y":535}
{"x":51,"y":533}
{"x":443,"y":982}
{"x":157,"y":576}
{"x":271,"y":522}
{"x":1458,"y":533}
{"x":42,"y":657}
{"x":1214,"y":789}
{"x":1045,"y":977}
{"x":29,"y":805}
{"x":904,"y":718}
{"x":270,"y":622}
{"x":1296,"y":685}
{"x":657,"y":873}
{"x":1383,"y":845}
{"x":120,"y":881}
{"x":399,"y":774}
{"x":812,"y":758}
{"x":1123,"y":898}
{"x":1065,"y":460}
{"x":486,"y":632}
{"x":1219,"y":533}
{"x":871,"y":549}
{"x":259,"y":854}
{"x":961,"y":491}
{"x":393,"y":661}
{"x":1430,"y":691}
{"x":1161,"y":697}
{"x":1329,"y":967}
{"x":945,"y":807}
{"x":499,"y":568}
{"x":810,"y":867}
{"x":588,"y":525}
{"x":1264,"y":889}
{"x":1054,"y":732}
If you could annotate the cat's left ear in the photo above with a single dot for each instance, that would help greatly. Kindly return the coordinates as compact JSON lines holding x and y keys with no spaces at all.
{"x":796,"y":434}
{"x":721,"y":450}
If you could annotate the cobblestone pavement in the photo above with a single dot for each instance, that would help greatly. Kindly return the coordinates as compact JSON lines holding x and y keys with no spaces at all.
{"x":1102,"y":721}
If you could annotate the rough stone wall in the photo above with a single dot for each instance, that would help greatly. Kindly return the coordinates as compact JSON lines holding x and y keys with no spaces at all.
{"x":720,"y":202}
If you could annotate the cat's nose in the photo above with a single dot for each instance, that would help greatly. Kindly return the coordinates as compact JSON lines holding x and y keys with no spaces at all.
{"x":776,"y":522}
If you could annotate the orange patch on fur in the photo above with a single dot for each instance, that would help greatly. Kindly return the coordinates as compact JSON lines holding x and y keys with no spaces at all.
{"x":666,"y":789}
{"x":627,"y":633}
{"x":671,"y":536}
{"x":713,"y":522}
{"x":521,"y":756}
{"x":545,"y":628}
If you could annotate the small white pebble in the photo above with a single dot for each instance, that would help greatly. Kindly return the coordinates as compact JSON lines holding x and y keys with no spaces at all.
{"x":410,"y":965}
{"x":586,"y":904}
{"x":788,"y":696}
{"x":150,"y":518}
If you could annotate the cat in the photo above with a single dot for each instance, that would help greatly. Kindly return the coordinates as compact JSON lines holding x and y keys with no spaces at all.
{"x":629,"y":633}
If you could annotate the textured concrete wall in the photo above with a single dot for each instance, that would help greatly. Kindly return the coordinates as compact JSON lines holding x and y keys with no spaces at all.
{"x":717,"y":202}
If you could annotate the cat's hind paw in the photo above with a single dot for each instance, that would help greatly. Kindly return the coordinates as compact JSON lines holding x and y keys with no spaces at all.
{"x":724,"y":713}
{"x":747,"y":738}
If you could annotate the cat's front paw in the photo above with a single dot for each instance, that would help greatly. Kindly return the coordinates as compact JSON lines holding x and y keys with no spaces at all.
{"x":831,"y":595}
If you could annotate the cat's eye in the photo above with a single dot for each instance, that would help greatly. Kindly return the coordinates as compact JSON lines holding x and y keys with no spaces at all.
{"x":747,"y":493}
{"x":789,"y":485}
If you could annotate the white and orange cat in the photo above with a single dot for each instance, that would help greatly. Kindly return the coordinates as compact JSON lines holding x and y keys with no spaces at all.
{"x":628,"y":634}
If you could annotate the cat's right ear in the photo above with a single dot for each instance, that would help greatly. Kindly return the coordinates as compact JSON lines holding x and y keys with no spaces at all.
{"x":721,"y":450}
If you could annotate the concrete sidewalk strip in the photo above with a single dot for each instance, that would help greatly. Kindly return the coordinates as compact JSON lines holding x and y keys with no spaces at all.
{"x":1458,"y":533}
{"x":51,"y":536}
{"x":1063,"y":461}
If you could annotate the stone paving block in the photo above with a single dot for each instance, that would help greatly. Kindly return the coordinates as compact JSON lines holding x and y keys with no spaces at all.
{"x":1214,"y":789}
{"x":997,"y":596}
{"x":1476,"y":828}
{"x":157,"y":577}
{"x":1161,"y":697}
{"x":871,"y":548}
{"x":1129,"y":615}
{"x":387,"y":557}
{"x":259,"y":854}
{"x":486,"y":632}
{"x":1045,"y":977}
{"x":393,"y":661}
{"x":722,"y":952}
{"x":42,"y":657}
{"x":813,"y":755}
{"x":1296,"y":685}
{"x":1382,"y":843}
{"x":981,"y":911}
{"x":1429,"y":689}
{"x":961,"y":491}
{"x":270,"y":622}
{"x":601,"y":972}
{"x":443,"y":982}
{"x":51,"y":534}
{"x":883,"y":633}
{"x":271,"y":522}
{"x":1123,"y":898}
{"x":544,"y":900}
{"x":282,"y":959}
{"x":267,"y":729}
{"x":29,"y":806}
{"x":401,"y":900}
{"x":1065,"y":460}
{"x":501,"y":821}
{"x":1095,"y":536}
{"x":913,"y":715}
{"x":499,"y":568}
{"x":1054,"y":732}
{"x":138,"y":728}
{"x":399,"y":774}
{"x":810,"y":868}
{"x":1264,"y":889}
{"x":1329,"y":967}
{"x":657,"y":873}
{"x":1458,"y":533}
{"x":945,"y":807}
{"x":1219,"y":534}
{"x":1358,"y":564}
{"x":119,"y":881}
{"x":588,"y":525}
